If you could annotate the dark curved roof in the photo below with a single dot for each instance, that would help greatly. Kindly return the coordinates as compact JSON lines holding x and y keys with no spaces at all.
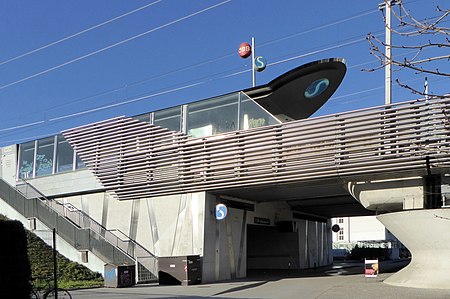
{"x":285,"y":97}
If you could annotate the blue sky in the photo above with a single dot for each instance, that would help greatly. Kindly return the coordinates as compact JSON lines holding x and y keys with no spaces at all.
{"x":172,"y":52}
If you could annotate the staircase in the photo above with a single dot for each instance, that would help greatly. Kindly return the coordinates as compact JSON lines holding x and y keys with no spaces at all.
{"x":81,"y":231}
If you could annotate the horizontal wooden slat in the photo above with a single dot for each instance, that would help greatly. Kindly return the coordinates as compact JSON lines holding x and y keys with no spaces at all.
{"x":134,"y":159}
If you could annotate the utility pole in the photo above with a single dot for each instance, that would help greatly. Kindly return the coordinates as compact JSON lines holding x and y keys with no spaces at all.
{"x":386,"y":5}
{"x":253,"y":63}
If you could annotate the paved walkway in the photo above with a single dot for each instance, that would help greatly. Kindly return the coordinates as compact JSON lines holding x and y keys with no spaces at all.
{"x":344,"y":280}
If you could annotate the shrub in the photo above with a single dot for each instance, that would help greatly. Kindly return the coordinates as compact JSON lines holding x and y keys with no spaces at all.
{"x":359,"y":253}
{"x":15,"y":268}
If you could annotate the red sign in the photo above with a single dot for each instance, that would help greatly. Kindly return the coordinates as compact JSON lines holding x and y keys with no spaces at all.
{"x":245,"y":50}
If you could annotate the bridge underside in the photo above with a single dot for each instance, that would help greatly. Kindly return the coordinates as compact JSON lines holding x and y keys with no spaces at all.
{"x":325,"y":199}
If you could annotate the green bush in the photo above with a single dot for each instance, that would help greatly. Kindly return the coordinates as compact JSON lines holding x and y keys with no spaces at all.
{"x":39,"y":256}
{"x":70,"y":274}
{"x":359,"y":253}
{"x":15,"y":267}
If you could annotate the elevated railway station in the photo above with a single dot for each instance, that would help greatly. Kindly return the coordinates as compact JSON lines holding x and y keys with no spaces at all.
{"x":133,"y":190}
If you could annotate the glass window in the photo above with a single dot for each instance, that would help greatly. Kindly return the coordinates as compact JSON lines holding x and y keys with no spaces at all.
{"x":26,"y":160}
{"x":80,"y":164}
{"x":143,"y":117}
{"x":253,"y":115}
{"x":64,"y":155}
{"x":169,"y":118}
{"x":44,"y":156}
{"x":213,"y":116}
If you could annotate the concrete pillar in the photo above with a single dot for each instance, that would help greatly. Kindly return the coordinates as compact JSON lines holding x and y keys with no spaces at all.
{"x":426,"y":234}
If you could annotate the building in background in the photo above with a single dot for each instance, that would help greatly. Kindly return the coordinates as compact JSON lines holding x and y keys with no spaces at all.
{"x":363,"y":231}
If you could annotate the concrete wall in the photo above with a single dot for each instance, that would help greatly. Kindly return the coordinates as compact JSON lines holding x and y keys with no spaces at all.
{"x":389,"y":195}
{"x":426,"y":234}
{"x":166,"y":226}
{"x":68,"y":182}
{"x":224,"y":253}
{"x":315,"y":249}
{"x":8,"y":158}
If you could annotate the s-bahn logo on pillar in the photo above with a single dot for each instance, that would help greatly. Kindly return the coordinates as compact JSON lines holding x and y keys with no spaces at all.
{"x":260,"y":63}
{"x":221,"y":211}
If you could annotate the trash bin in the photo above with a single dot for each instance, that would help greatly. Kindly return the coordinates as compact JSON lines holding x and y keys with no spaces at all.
{"x":119,"y":276}
{"x":184,"y":270}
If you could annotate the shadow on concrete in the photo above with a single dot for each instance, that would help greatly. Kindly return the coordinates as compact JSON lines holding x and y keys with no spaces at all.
{"x":338,"y":268}
{"x":242,"y":288}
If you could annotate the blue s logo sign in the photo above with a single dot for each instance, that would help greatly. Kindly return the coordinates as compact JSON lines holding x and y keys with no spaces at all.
{"x":221,"y":211}
{"x":317,"y":88}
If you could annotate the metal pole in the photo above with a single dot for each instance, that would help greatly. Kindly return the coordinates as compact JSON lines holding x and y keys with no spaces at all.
{"x":253,"y":63}
{"x":388,"y":52}
{"x":55,"y":265}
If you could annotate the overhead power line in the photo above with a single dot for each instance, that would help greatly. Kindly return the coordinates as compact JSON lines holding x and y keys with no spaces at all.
{"x":188,"y":85}
{"x":113,"y":45}
{"x":78,"y":33}
{"x":61,"y":118}
{"x":316,"y":28}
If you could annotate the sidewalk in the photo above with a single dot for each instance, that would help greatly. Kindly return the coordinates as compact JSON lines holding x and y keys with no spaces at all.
{"x":343,"y":280}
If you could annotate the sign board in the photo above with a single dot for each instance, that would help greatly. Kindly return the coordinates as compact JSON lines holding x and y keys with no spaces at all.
{"x":260,"y":63}
{"x":221,"y":211}
{"x":371,"y":268}
{"x":259,"y":220}
{"x":245,"y":50}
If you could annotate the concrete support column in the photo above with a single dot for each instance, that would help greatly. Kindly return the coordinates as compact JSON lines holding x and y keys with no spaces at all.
{"x":426,"y":234}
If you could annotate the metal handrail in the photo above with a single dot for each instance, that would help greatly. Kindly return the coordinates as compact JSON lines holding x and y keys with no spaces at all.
{"x":80,"y":239}
{"x":84,"y":221}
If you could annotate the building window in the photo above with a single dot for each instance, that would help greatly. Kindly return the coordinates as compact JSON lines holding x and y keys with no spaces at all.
{"x":143,"y":117}
{"x":168,"y":118}
{"x":64,"y":155}
{"x":253,"y":116}
{"x":341,"y":238}
{"x":214,"y":116}
{"x":26,"y":162}
{"x":44,"y":156}
{"x":79,"y":163}
{"x":341,"y":220}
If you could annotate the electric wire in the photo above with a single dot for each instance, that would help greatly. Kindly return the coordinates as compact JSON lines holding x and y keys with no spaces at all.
{"x":186,"y":85}
{"x":78,"y":33}
{"x":113,"y":45}
{"x":352,"y":17}
{"x":316,"y":28}
{"x":182,"y":87}
{"x":96,"y":109}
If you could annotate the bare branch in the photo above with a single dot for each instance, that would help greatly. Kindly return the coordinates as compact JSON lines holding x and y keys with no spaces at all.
{"x":429,"y":59}
{"x":412,"y":30}
{"x":422,"y":93}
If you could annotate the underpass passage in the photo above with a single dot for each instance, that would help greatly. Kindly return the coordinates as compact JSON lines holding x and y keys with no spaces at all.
{"x":299,"y":244}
